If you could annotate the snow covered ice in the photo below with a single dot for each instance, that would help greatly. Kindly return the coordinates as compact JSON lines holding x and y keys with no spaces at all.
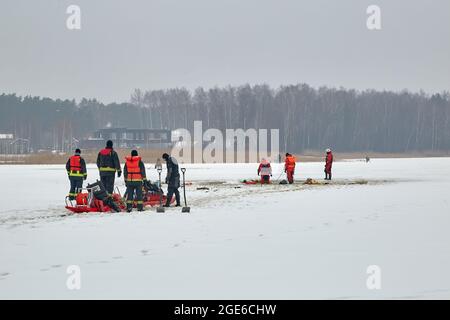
{"x":239,"y":241}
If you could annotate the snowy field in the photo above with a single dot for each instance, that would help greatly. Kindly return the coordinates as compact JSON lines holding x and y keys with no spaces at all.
{"x":239,"y":241}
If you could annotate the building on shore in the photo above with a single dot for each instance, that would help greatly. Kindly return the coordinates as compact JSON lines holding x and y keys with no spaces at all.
{"x":129,"y":138}
{"x":9,"y":144}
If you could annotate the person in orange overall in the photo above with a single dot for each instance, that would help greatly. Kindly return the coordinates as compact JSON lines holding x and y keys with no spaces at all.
{"x":265,"y":171}
{"x":289,"y":167}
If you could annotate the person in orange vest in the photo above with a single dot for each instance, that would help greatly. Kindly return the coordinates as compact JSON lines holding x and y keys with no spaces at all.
{"x":289,"y":167}
{"x":328,"y":164}
{"x":265,"y":171}
{"x":134,"y":174}
{"x":76,"y":170}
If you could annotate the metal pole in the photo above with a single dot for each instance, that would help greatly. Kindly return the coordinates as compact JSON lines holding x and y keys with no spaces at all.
{"x":160,"y":208}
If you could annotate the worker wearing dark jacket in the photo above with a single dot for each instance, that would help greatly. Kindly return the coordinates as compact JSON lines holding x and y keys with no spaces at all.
{"x":172,"y":179}
{"x":108,"y":163}
{"x":134,"y":174}
{"x":76,"y":169}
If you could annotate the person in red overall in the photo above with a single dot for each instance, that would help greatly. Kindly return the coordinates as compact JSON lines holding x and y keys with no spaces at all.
{"x":76,"y":170}
{"x":289,"y":167}
{"x":328,"y":164}
{"x":265,"y":171}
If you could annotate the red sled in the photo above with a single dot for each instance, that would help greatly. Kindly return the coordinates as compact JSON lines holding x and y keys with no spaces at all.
{"x":152,"y":199}
{"x":85,"y":202}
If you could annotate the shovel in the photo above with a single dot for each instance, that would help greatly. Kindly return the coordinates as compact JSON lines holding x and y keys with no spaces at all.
{"x":185,"y":208}
{"x":160,"y":208}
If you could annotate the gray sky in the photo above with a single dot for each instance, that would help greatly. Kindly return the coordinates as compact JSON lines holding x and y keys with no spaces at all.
{"x":154,"y":44}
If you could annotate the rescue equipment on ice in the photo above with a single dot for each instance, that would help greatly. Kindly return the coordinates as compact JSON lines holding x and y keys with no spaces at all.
{"x":160,"y":208}
{"x":185,"y":208}
{"x":151,"y":195}
{"x":95,"y":199}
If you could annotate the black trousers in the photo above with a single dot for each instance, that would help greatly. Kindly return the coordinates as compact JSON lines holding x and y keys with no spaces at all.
{"x":327,"y":175}
{"x":107,"y":178}
{"x":170,"y":192}
{"x":132,"y":188}
{"x":75,"y":184}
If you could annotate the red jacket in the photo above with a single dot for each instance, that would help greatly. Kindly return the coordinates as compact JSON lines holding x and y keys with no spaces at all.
{"x":289,"y":163}
{"x":328,"y":162}
{"x":264,"y":169}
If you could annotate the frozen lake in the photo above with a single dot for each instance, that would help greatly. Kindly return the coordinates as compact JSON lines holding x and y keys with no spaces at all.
{"x":238,"y":242}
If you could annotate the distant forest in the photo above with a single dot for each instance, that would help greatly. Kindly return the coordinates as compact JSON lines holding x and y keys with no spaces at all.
{"x":308,"y":118}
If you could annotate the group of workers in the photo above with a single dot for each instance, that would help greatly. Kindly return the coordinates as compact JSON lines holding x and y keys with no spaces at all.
{"x":265,"y":170}
{"x":135,"y":176}
{"x":133,"y":171}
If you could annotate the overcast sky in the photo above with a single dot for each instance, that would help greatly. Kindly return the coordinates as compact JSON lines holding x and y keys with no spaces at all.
{"x":154,"y":44}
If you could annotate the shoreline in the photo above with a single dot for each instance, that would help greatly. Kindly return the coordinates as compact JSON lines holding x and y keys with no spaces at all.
{"x":150,"y":156}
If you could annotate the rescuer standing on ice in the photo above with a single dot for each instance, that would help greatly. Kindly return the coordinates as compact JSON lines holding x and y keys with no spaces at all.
{"x":265,"y":171}
{"x":172,"y":179}
{"x":76,"y":169}
{"x":328,"y":164}
{"x":134,"y":174}
{"x":108,"y":163}
{"x":289,"y":167}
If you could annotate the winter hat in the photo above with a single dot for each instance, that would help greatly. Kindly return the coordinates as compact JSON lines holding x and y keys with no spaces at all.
{"x":328,"y":150}
{"x":109,"y":144}
{"x":165,"y":156}
{"x":77,"y":151}
{"x":134,"y":153}
{"x":287,"y":154}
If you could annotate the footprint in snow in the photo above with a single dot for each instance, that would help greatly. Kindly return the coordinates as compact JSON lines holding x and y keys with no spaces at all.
{"x":118,"y":257}
{"x":56,"y":266}
{"x":176,"y":245}
{"x":4,"y":274}
{"x":144,"y":252}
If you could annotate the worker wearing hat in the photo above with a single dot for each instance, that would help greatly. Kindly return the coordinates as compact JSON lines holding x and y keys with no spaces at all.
{"x":76,"y":170}
{"x":328,"y":163}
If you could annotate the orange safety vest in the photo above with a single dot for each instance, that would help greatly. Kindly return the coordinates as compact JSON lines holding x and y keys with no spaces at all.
{"x":75,"y":163}
{"x":133,"y":169}
{"x":290,"y":163}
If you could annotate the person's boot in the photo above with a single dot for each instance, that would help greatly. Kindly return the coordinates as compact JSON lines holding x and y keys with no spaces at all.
{"x":140,"y":207}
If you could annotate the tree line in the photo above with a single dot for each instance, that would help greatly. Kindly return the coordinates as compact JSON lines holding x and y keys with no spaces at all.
{"x":307,"y":118}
